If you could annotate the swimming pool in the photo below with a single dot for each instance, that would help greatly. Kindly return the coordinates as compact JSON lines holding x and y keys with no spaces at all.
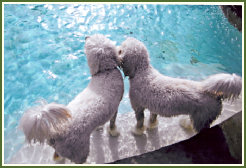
{"x":44,"y":49}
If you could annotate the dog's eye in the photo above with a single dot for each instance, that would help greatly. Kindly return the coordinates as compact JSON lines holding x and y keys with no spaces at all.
{"x":87,"y":37}
{"x":120,"y":51}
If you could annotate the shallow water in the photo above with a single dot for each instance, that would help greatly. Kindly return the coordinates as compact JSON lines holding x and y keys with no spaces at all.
{"x":44,"y":49}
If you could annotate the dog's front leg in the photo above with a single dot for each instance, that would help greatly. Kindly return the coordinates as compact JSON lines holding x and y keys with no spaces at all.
{"x":153,"y":122}
{"x":112,"y":127}
{"x":139,"y":128}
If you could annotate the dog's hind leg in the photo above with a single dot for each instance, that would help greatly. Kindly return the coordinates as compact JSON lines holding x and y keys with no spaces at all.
{"x":58,"y":159}
{"x":153,"y":122}
{"x":139,"y":128}
{"x":112,"y":127}
{"x":99,"y":128}
{"x":207,"y":114}
{"x":186,"y":123}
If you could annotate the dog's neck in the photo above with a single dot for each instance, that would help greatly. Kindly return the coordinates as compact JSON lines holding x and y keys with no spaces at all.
{"x":105,"y":70}
{"x":141,"y":68}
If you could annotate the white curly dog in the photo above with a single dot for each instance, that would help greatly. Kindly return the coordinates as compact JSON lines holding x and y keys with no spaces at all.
{"x":67,"y":128}
{"x":166,"y":96}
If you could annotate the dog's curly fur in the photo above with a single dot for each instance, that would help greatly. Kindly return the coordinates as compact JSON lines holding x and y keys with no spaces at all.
{"x":67,"y":128}
{"x":166,"y":96}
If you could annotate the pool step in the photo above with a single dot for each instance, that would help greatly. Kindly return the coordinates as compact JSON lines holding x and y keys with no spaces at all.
{"x":106,"y":149}
{"x":221,"y":144}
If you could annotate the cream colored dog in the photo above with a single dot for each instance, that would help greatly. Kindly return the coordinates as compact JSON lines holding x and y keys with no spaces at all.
{"x":166,"y":96}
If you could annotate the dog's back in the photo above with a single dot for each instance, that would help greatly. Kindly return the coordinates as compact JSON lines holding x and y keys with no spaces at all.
{"x":164,"y":95}
{"x":100,"y":100}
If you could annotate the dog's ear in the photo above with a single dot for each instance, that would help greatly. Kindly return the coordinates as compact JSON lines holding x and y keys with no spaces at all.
{"x":127,"y":66}
{"x":93,"y":62}
{"x":95,"y":67}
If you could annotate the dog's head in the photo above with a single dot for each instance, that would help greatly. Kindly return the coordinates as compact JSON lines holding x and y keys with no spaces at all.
{"x":101,"y":53}
{"x":133,"y":56}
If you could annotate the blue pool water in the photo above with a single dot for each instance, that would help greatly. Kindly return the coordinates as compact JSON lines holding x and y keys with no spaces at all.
{"x":44,"y":49}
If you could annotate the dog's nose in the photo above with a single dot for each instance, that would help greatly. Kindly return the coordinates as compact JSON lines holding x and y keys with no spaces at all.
{"x":86,"y":37}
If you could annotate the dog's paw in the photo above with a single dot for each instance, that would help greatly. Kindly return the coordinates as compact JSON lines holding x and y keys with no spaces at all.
{"x":113,"y":132}
{"x":186,"y":123}
{"x":152,"y":125}
{"x":138,"y":131}
{"x":99,"y":128}
{"x":58,"y":159}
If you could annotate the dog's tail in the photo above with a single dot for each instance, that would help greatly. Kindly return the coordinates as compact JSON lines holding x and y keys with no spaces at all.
{"x":42,"y":122}
{"x":226,"y":86}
